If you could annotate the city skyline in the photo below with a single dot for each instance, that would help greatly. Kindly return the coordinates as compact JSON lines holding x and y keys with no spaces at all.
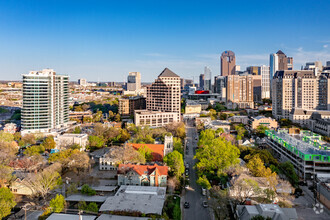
{"x":106,"y":40}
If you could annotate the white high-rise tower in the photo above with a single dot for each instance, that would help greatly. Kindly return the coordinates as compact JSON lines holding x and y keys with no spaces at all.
{"x":45,"y":101}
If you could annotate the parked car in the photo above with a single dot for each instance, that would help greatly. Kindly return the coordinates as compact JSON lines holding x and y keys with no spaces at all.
{"x":186,"y":205}
{"x":203,"y":192}
{"x":205,"y":205}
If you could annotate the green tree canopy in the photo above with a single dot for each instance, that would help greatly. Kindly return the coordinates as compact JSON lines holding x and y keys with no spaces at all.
{"x":7,"y":202}
{"x":34,"y":150}
{"x":6,"y":137}
{"x":57,"y":204}
{"x":49,"y":143}
{"x":146,"y":153}
{"x":175,"y":161}
{"x":203,"y":182}
{"x":95,"y":141}
{"x":215,"y":155}
{"x":87,"y":190}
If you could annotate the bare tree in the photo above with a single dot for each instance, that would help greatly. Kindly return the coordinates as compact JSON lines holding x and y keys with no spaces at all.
{"x":127,"y":154}
{"x":244,"y":188}
{"x":172,"y":183}
{"x":42,"y":183}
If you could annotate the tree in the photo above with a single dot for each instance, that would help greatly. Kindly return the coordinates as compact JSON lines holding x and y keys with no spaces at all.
{"x":78,"y":109}
{"x":288,"y":169}
{"x":7,"y":202}
{"x":177,"y":145}
{"x":175,"y":161}
{"x":215,"y":155}
{"x":257,"y":167}
{"x":117,"y":118}
{"x":42,"y":183}
{"x":5,"y":174}
{"x":6,"y":137}
{"x":261,"y":130}
{"x":126,"y":154}
{"x":49,"y":143}
{"x":8,"y":151}
{"x":241,"y":131}
{"x":111,"y":115}
{"x":99,"y":129}
{"x":57,"y":204}
{"x":87,"y":190}
{"x":77,"y":130}
{"x":146,"y":153}
{"x":29,"y":139}
{"x":203,"y":181}
{"x":91,"y":207}
{"x":72,"y":189}
{"x":97,"y":117}
{"x":244,"y":189}
{"x":95,"y":141}
{"x":34,"y":150}
{"x":124,"y":136}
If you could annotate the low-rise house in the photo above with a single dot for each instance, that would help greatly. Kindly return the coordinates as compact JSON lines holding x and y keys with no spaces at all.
{"x":143,"y":199}
{"x":270,"y":123}
{"x":273,"y":211}
{"x":239,"y":119}
{"x":65,"y":140}
{"x":142,"y":175}
{"x":219,"y":124}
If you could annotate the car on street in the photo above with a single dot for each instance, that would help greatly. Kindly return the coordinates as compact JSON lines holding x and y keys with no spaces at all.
{"x":205,"y":205}
{"x":186,"y":205}
{"x":203,"y":192}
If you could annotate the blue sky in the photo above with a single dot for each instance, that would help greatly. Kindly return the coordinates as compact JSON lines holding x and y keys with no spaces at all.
{"x":104,"y":40}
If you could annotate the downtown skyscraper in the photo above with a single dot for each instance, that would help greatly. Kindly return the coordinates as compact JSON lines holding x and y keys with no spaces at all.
{"x":207,"y":79}
{"x":45,"y":101}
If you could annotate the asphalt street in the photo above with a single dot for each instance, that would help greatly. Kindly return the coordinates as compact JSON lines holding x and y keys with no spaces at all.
{"x":193,"y":193}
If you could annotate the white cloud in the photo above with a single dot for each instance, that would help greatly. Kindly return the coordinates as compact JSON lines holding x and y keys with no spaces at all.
{"x":325,"y":46}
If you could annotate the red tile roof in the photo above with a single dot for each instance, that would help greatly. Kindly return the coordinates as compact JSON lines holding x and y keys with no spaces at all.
{"x":157,"y":150}
{"x":143,"y":169}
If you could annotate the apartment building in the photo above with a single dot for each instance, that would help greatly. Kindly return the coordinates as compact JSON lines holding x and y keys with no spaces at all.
{"x":301,"y":89}
{"x":307,"y":152}
{"x":240,"y":91}
{"x":45,"y":101}
{"x":128,"y":105}
{"x":154,"y":118}
{"x":163,"y":101}
{"x":134,"y":81}
{"x":265,"y":82}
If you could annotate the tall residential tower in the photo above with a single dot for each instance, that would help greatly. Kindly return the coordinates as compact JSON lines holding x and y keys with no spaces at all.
{"x":45,"y":101}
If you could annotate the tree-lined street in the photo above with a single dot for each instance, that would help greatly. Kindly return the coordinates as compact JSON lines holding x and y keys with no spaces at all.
{"x":193,"y":193}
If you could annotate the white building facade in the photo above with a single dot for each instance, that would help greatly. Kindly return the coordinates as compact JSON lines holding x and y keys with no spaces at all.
{"x":45,"y":101}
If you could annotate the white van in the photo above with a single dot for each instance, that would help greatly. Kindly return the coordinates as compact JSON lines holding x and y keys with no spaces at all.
{"x":203,"y":192}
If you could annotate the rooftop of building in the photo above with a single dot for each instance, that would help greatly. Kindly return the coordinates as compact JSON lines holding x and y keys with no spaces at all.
{"x":61,"y":216}
{"x":143,"y":169}
{"x":306,"y":142}
{"x":168,"y":73}
{"x":120,"y":217}
{"x":156,"y":149}
{"x":148,"y":112}
{"x":79,"y":197}
{"x":144,"y":199}
{"x":300,"y":111}
{"x":266,"y":210}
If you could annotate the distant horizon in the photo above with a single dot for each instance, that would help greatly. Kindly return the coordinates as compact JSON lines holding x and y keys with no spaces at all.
{"x":104,"y":40}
